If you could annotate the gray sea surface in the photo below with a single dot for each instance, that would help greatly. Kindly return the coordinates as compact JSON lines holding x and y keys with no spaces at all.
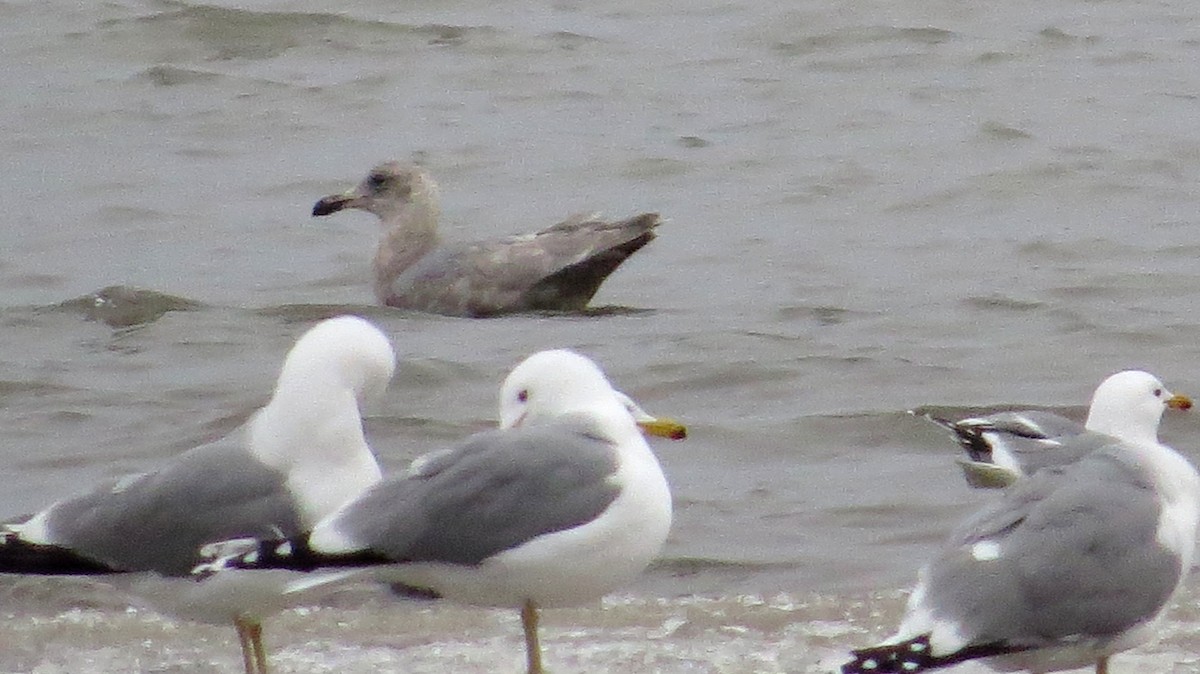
{"x":872,"y":206}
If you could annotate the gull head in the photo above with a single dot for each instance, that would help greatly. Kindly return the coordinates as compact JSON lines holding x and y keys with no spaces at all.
{"x":549,"y":384}
{"x":387,"y":191}
{"x":346,"y":352}
{"x":1129,"y":405}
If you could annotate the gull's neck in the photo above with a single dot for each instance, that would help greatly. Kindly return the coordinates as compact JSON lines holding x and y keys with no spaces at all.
{"x":316,"y":439}
{"x":1137,"y":431}
{"x":409,"y":232}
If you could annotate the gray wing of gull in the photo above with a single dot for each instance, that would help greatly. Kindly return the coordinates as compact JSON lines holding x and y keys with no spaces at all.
{"x":560,"y":267}
{"x":1035,"y":423}
{"x":158,"y":521}
{"x":1032,"y":439}
{"x":497,"y":491}
{"x":1078,"y":556}
{"x":1024,"y":432}
{"x":1067,"y":444}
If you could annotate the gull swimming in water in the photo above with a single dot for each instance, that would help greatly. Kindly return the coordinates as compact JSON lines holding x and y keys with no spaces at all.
{"x":558,"y":268}
{"x":297,"y":460}
{"x":562,"y":504}
{"x":1071,"y":565}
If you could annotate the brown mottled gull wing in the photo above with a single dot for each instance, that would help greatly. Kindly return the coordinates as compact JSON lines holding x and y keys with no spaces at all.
{"x":559,"y":268}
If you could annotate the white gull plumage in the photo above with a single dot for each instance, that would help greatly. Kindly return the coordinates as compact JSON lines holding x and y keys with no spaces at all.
{"x":1070,"y":565}
{"x":561,"y":505}
{"x":295,"y":461}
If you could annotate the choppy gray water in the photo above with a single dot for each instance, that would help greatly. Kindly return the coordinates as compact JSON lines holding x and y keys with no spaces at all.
{"x":873,"y":206}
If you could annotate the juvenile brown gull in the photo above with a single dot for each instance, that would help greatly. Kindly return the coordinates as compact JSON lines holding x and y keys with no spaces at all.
{"x":295,"y":461}
{"x":1071,"y":565}
{"x":558,"y":268}
{"x":562,"y":504}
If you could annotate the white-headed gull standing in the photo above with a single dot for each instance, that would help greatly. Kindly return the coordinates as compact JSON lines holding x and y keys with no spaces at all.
{"x":297,"y":460}
{"x":561,"y":505}
{"x":1071,"y":565}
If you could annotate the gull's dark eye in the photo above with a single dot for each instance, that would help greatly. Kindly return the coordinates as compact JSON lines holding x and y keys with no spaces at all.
{"x":376,"y":181}
{"x":1158,"y":393}
{"x":523,"y":395}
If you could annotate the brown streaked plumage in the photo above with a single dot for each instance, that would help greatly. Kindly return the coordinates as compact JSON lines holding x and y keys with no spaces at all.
{"x":558,"y":268}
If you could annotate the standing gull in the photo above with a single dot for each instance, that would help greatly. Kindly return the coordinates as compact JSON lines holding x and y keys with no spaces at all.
{"x":1071,"y":565}
{"x":558,"y":268}
{"x":295,"y":461}
{"x":562,"y":504}
{"x":1005,"y":446}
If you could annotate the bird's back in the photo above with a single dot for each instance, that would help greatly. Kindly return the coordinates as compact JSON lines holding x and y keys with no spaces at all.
{"x":158,"y":521}
{"x":559,"y":268}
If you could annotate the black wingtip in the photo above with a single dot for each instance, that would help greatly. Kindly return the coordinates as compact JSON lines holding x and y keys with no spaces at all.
{"x":34,"y":559}
{"x":291,"y":554}
{"x":916,"y":655}
{"x":647,"y":220}
{"x":890,"y":658}
{"x":969,"y":436}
